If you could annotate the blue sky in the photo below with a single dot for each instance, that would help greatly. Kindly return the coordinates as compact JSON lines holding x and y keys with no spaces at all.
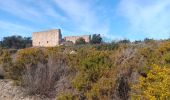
{"x":113,"y":19}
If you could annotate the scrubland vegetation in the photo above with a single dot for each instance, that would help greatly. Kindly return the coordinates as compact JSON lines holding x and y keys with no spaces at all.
{"x":109,"y":71}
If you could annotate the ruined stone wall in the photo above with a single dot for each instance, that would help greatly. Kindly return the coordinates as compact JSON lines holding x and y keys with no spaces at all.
{"x":49,"y":38}
{"x":74,"y":38}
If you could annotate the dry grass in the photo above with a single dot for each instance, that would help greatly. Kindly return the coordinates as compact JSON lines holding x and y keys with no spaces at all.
{"x":41,"y":79}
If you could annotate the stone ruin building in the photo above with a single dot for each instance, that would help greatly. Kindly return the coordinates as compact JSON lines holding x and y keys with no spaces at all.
{"x":52,"y":38}
{"x":48,"y":38}
{"x":74,"y":38}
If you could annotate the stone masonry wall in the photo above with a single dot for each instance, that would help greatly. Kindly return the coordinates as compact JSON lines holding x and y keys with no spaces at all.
{"x":74,"y":38}
{"x":49,"y":38}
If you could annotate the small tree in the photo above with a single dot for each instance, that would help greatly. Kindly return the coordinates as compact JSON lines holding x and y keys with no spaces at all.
{"x":0,"y":43}
{"x":80,"y":41}
{"x":96,"y":39}
{"x":16,"y":42}
{"x":147,"y":40}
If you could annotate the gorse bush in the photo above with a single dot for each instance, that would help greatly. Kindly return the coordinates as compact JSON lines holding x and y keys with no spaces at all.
{"x":110,"y":46}
{"x":95,"y":63}
{"x":67,"y":96}
{"x":164,"y":50}
{"x":32,"y":56}
{"x":104,"y":88}
{"x":6,"y":62}
{"x":155,"y":86}
{"x":164,"y":47}
{"x":35,"y":69}
{"x":28,"y":57}
{"x":14,"y":65}
{"x":91,"y":68}
{"x":167,"y":58}
{"x":114,"y":67}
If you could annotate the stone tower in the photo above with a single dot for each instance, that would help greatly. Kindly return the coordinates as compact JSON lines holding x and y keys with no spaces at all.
{"x":48,"y":38}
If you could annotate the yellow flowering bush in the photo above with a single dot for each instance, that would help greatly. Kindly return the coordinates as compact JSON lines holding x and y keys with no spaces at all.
{"x":164,"y":47}
{"x":156,"y":86}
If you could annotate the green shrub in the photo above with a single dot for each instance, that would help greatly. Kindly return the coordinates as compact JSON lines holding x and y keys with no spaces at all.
{"x":151,"y":55}
{"x":104,"y":88}
{"x":167,"y":58}
{"x":25,"y":58}
{"x":94,"y":64}
{"x":110,"y":46}
{"x":164,"y":47}
{"x":67,"y":96}
{"x":81,"y":83}
{"x":7,"y":64}
{"x":31,"y":56}
{"x":91,"y":69}
{"x":80,"y":41}
{"x":97,"y":72}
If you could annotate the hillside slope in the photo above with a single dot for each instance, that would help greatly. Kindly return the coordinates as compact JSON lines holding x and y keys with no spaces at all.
{"x":89,"y":72}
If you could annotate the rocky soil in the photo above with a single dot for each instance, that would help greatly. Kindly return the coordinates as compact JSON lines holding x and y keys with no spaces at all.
{"x":10,"y":92}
